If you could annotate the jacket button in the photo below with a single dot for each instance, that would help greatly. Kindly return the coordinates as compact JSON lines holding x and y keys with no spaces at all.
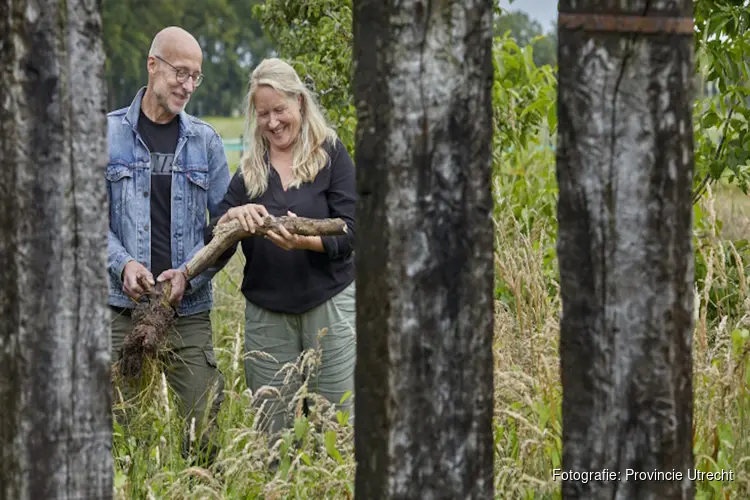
{"x":145,"y":194}
{"x":145,"y":228}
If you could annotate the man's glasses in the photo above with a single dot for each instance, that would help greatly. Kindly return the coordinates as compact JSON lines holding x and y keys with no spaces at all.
{"x":182,"y":75}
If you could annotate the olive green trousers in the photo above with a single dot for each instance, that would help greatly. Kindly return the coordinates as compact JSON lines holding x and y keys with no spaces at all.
{"x":275,"y":343}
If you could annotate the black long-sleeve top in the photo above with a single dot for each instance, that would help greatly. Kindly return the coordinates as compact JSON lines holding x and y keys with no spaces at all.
{"x":295,"y":281}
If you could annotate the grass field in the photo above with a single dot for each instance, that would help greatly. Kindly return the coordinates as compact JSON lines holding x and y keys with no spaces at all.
{"x":228,"y":128}
{"x":733,"y":208}
{"x":527,"y":396}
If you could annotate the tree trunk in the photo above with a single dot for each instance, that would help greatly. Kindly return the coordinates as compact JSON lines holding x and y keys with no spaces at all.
{"x":424,"y":378}
{"x":55,"y":392}
{"x":625,"y":169}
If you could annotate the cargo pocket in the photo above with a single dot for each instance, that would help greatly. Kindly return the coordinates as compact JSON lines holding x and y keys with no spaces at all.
{"x":208,"y":351}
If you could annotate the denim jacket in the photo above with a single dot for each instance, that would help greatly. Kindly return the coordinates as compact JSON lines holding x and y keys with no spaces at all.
{"x":200,"y":177}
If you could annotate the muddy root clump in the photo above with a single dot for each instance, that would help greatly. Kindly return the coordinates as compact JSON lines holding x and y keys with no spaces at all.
{"x":152,"y":321}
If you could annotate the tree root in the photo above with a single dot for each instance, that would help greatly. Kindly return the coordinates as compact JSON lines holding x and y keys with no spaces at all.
{"x":152,"y":321}
{"x":155,"y":317}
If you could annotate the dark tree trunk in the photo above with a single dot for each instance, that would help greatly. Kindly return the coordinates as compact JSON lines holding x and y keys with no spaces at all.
{"x":55,"y":392}
{"x":625,"y":169}
{"x":424,"y":378}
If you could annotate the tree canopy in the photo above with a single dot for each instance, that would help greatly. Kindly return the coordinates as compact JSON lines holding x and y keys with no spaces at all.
{"x":232,"y":39}
{"x":527,"y":31}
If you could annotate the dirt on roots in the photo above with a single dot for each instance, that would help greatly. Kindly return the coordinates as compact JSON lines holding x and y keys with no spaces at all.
{"x":153,"y":319}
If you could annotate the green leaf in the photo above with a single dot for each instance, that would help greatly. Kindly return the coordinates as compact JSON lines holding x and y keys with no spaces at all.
{"x":120,"y":479}
{"x":710,"y":119}
{"x":342,"y":417}
{"x":300,"y":427}
{"x":330,"y":443}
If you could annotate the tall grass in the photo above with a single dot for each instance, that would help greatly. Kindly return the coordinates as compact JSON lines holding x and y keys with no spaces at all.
{"x":316,"y":456}
{"x":528,"y":392}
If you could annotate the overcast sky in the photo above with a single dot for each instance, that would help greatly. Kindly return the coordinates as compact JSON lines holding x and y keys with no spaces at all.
{"x":544,"y":11}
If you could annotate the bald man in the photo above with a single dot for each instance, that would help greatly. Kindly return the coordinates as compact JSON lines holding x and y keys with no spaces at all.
{"x":167,"y":171}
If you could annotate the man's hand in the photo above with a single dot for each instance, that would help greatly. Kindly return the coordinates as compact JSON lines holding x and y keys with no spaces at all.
{"x":179,"y":284}
{"x":133,"y":276}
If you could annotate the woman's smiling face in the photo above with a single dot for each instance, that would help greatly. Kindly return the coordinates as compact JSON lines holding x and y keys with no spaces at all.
{"x":279,"y":117}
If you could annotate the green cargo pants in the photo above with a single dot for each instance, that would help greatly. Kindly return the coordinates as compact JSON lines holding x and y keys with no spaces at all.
{"x":191,"y":371}
{"x":284,"y":337}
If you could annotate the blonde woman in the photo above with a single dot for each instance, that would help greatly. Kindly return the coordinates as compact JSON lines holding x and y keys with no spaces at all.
{"x":294,"y":286}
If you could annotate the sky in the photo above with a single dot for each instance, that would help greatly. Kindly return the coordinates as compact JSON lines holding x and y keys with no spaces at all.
{"x":544,"y":11}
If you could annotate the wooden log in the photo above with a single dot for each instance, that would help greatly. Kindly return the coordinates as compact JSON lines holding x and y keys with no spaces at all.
{"x":227,"y":234}
{"x":153,"y":318}
{"x":424,"y":393}
{"x":55,"y":390}
{"x":624,"y":171}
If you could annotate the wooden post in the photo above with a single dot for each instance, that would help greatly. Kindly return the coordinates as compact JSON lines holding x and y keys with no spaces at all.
{"x":424,"y":377}
{"x":625,"y":170}
{"x":55,"y":391}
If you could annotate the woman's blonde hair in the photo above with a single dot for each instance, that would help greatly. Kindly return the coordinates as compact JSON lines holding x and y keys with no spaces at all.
{"x":309,"y":156}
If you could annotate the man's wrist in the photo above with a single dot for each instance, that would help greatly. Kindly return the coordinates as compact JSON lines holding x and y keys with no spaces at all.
{"x":124,"y":266}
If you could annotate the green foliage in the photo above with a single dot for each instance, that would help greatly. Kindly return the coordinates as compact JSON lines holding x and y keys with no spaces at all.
{"x":315,"y":36}
{"x":527,"y":31}
{"x":524,"y":102}
{"x":722,"y":147}
{"x":524,"y":98}
{"x":231,"y":39}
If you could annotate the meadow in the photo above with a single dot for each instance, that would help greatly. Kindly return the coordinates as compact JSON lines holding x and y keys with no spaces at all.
{"x":317,"y":454}
{"x":228,"y":128}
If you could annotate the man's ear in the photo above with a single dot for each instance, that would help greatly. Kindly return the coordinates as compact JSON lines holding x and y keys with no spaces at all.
{"x":151,"y":64}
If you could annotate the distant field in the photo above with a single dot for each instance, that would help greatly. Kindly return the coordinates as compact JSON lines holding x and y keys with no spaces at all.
{"x":228,"y":128}
{"x":733,"y":210}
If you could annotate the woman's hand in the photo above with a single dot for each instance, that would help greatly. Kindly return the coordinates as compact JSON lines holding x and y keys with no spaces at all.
{"x":288,"y":241}
{"x":250,"y":215}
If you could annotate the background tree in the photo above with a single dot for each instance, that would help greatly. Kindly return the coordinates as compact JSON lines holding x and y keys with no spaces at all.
{"x":722,"y":116}
{"x":625,"y":168}
{"x":232,"y":40}
{"x":55,"y":392}
{"x":315,"y":36}
{"x":527,"y":31}
{"x":423,"y":90}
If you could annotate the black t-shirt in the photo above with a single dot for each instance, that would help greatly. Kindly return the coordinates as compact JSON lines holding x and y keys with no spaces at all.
{"x":295,"y":281}
{"x":161,"y":140}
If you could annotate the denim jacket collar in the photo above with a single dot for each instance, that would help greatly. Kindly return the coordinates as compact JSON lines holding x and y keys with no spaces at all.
{"x":131,"y":117}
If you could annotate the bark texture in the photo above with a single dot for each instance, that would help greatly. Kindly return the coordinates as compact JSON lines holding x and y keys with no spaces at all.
{"x":424,"y":379}
{"x":625,"y":169}
{"x":55,"y":392}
